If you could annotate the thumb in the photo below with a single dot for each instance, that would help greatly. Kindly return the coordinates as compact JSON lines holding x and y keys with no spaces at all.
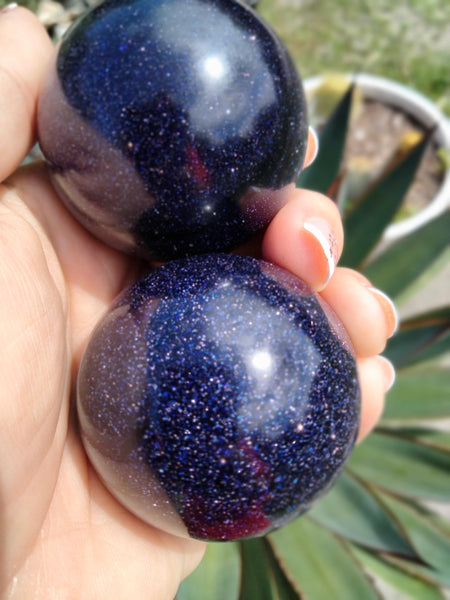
{"x":25,"y":49}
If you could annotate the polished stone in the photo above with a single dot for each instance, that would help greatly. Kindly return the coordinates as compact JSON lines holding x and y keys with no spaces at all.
{"x":218,"y":398}
{"x":173,"y":127}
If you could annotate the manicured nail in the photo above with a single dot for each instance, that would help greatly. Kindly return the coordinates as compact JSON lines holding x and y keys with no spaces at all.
{"x":312,"y":147}
{"x":388,"y":372}
{"x":322,"y":232}
{"x":315,"y":137}
{"x":9,"y":7}
{"x":390,"y":312}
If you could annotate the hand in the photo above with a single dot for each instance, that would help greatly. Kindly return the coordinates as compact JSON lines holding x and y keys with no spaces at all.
{"x":63,"y":534}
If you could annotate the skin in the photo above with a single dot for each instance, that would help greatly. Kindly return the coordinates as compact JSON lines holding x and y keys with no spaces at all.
{"x":63,"y":535}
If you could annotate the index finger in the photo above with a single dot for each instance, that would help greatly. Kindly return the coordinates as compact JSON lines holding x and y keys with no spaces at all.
{"x":25,"y":49}
{"x":305,"y":237}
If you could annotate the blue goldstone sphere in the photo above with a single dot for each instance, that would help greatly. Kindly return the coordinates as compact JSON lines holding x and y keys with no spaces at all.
{"x":173,"y":127}
{"x":218,"y":398}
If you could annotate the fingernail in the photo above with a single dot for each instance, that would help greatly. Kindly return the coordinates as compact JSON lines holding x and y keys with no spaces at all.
{"x":324,"y":235}
{"x":388,"y":372}
{"x":313,"y":141}
{"x":390,"y":312}
{"x":9,"y":7}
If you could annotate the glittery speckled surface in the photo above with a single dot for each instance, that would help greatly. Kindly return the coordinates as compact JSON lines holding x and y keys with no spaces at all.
{"x":217,"y":399}
{"x":172,"y":126}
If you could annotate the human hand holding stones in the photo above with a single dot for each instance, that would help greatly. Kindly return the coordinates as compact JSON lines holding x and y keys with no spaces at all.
{"x":63,"y":529}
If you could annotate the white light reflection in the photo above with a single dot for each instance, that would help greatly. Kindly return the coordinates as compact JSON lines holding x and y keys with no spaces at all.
{"x":261,"y":363}
{"x":281,"y":363}
{"x":214,"y":67}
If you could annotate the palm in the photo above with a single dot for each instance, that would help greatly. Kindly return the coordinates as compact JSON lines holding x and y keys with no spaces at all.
{"x":63,"y":529}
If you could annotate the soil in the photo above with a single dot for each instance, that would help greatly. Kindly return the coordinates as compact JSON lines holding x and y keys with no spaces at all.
{"x":373,"y":142}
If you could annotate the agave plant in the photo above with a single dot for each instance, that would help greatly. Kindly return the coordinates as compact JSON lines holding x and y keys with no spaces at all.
{"x":378,"y":529}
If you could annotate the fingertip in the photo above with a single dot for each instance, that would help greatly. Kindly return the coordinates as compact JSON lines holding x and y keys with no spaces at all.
{"x":305,"y":237}
{"x":389,"y":310}
{"x":25,"y":49}
{"x":376,"y":376}
{"x":9,"y":7}
{"x":323,"y":246}
{"x":368,"y":316}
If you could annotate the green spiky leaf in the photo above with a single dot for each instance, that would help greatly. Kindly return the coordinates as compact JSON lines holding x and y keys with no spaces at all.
{"x":403,"y":466}
{"x":432,"y":545}
{"x":401,"y":264}
{"x":411,"y":586}
{"x":376,"y":209}
{"x":322,"y":173}
{"x":428,"y":437}
{"x":319,"y":563}
{"x":419,"y":394}
{"x":352,"y":511}
{"x":420,"y":338}
{"x":421,"y":571}
{"x":262,"y":576}
{"x":218,"y":575}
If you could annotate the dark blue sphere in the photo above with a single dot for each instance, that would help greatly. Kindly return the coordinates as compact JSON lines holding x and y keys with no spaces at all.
{"x":218,"y":398}
{"x":173,"y":127}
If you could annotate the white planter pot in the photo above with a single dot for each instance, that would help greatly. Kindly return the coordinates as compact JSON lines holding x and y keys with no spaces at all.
{"x":424,"y":111}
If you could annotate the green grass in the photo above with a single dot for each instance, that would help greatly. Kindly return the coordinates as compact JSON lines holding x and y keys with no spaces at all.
{"x":408,"y":40}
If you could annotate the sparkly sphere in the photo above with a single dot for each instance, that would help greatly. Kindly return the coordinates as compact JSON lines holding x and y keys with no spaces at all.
{"x":218,"y":398}
{"x":173,"y":127}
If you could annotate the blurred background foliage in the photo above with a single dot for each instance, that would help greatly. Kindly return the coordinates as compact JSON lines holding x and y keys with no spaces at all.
{"x":408,"y":40}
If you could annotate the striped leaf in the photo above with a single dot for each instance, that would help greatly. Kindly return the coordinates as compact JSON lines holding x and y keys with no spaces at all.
{"x":319,"y":563}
